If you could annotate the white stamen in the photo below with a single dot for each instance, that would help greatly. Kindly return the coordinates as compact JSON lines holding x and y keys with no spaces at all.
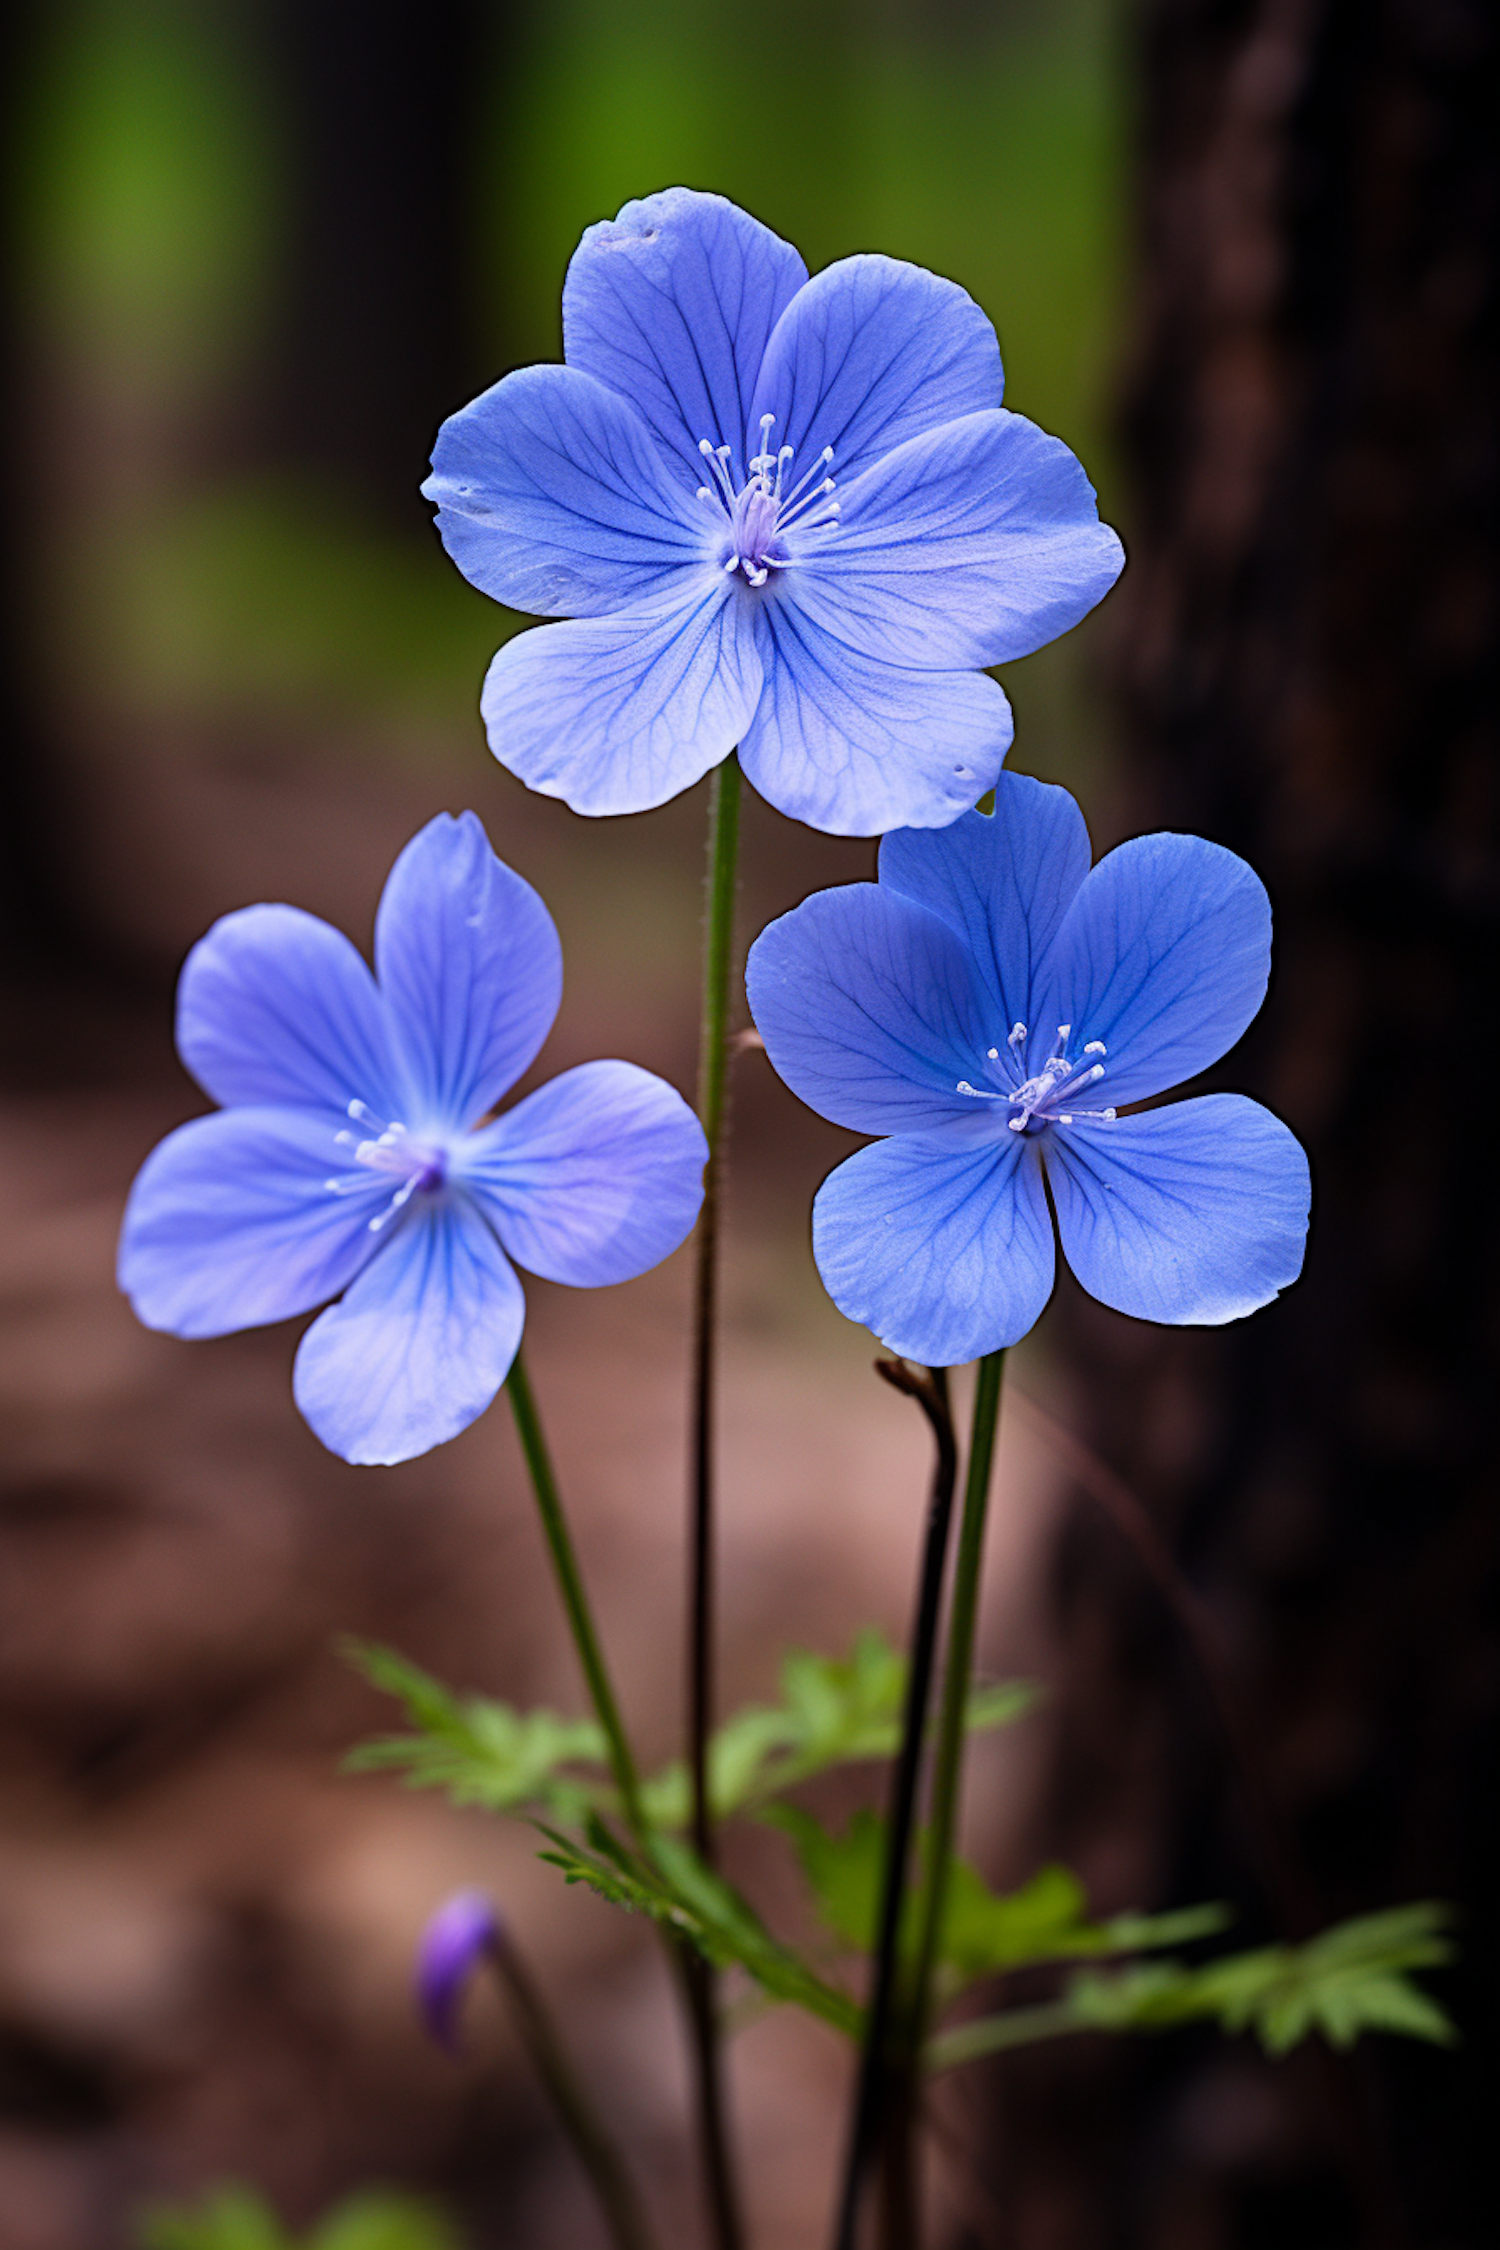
{"x":761,"y":510}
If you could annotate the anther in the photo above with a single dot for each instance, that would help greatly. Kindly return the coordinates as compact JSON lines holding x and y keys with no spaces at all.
{"x":1096,"y":1047}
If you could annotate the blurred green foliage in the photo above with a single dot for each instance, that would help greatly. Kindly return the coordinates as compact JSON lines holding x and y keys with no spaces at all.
{"x":236,"y":2218}
{"x":158,"y":219}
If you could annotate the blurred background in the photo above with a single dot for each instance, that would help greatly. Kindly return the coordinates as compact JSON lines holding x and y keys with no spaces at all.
{"x":1240,"y":255}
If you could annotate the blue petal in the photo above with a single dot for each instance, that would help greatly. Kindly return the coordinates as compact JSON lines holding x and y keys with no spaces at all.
{"x":419,"y":1346}
{"x":871,"y":1012}
{"x":973,"y":544}
{"x":1004,"y":882}
{"x":945,"y":1252}
{"x":274,"y":1006}
{"x":671,"y":304}
{"x":870,"y":353}
{"x":595,"y":1178}
{"x":470,"y":969}
{"x":855,"y":747}
{"x":1193,"y":1213}
{"x":553,"y":496}
{"x":231,"y":1222}
{"x":1164,"y":955}
{"x":617,"y":714}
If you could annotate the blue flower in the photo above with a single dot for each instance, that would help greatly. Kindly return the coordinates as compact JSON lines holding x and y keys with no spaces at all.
{"x":782,"y":513}
{"x":993,"y":1005}
{"x":349,"y":1161}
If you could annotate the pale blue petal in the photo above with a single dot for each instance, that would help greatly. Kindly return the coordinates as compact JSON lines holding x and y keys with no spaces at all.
{"x":274,"y":1006}
{"x":470,"y":969}
{"x":232,"y":1223}
{"x":553,"y":496}
{"x":617,"y":714}
{"x":1003,"y":881}
{"x":671,"y":304}
{"x":945,"y":1252}
{"x":972,"y":544}
{"x":419,"y":1346}
{"x":870,"y":353}
{"x":1164,"y":955}
{"x":593,"y":1179}
{"x":871,"y":1012}
{"x":855,"y":746}
{"x":1196,"y":1213}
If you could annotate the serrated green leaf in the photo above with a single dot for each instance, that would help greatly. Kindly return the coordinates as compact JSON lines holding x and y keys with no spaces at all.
{"x":479,"y":1751}
{"x":1352,"y":1979}
{"x":675,"y":1889}
{"x":985,"y":1933}
{"x":833,"y":1711}
{"x":843,"y":1869}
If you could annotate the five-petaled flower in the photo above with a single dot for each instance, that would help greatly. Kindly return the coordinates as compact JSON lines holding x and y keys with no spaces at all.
{"x":992,"y":1005}
{"x":349,"y":1160}
{"x":779,"y":512}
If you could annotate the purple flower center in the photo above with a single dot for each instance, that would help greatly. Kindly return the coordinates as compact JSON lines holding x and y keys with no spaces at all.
{"x":419,"y":1167}
{"x":755,"y":517}
{"x":1047,"y":1096}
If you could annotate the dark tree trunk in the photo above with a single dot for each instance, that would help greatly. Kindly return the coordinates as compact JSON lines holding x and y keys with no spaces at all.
{"x":1307,"y":665}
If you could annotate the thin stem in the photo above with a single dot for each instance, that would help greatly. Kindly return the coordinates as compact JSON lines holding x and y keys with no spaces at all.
{"x":948,"y":1757}
{"x":713,"y":1058}
{"x":871,"y":2087}
{"x":575,"y":1600}
{"x":713,"y":1076}
{"x":624,"y":2215}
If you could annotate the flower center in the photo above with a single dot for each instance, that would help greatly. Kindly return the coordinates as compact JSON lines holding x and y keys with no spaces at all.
{"x":1046,"y":1096}
{"x":755,"y":516}
{"x":417,"y":1167}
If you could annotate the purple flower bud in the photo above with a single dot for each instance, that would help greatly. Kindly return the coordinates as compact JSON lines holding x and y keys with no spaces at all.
{"x":463,"y":1929}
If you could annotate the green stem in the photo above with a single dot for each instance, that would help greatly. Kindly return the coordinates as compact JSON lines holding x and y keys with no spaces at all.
{"x":713,"y":1073}
{"x":994,"y":2035}
{"x":575,"y":1600}
{"x":881,"y":2092}
{"x":597,"y":2152}
{"x":952,"y":1713}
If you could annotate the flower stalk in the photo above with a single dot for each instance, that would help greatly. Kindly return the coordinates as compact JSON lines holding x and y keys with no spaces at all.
{"x":619,"y":2203}
{"x":949,"y":1749}
{"x":879,"y":2061}
{"x":713,"y":1072}
{"x":575,"y":1600}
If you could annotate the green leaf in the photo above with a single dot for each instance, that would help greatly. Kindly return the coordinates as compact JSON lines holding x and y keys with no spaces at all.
{"x":675,"y":1889}
{"x":985,"y":1933}
{"x":843,"y":1869}
{"x":833,"y":1711}
{"x":479,"y":1751}
{"x":378,"y":2220}
{"x":229,"y":2218}
{"x":1352,"y":1979}
{"x":236,"y":2218}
